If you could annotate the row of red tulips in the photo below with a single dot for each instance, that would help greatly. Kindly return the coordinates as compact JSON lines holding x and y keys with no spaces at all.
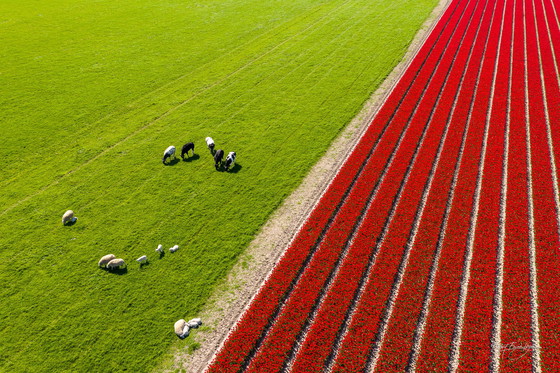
{"x":395,"y":353}
{"x":516,"y":315}
{"x":490,"y":108}
{"x":318,"y":344}
{"x":364,"y":326}
{"x":440,"y":323}
{"x":545,"y":211}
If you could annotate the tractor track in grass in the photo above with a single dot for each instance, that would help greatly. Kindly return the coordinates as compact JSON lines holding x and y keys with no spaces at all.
{"x":167,"y":112}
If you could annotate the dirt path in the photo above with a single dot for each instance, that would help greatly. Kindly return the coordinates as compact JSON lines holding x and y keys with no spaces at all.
{"x":230,"y":300}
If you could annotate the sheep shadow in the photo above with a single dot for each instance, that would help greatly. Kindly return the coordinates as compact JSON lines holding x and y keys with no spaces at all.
{"x":71,"y":222}
{"x":193,"y":157}
{"x":146,"y":263}
{"x":172,"y":162}
{"x":161,"y":254}
{"x":119,"y":271}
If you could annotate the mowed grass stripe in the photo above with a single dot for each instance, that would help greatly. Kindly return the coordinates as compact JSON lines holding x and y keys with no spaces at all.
{"x":280,"y":113}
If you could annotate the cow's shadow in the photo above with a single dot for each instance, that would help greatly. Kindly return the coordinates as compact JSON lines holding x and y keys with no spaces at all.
{"x":172,"y":162}
{"x":193,"y":157}
{"x":235,"y":169}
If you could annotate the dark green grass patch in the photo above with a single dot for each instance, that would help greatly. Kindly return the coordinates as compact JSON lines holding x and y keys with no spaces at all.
{"x":94,"y":91}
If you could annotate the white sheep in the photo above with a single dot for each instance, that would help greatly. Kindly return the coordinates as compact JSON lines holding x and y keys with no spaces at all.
{"x":174,"y":248}
{"x":160,"y":249}
{"x":143,"y":259}
{"x":68,"y":217}
{"x":106,"y":259}
{"x":180,"y":327}
{"x":116,"y":264}
{"x":194,"y":323}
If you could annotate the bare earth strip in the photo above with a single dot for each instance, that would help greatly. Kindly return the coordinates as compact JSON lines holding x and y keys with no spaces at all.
{"x":230,"y":300}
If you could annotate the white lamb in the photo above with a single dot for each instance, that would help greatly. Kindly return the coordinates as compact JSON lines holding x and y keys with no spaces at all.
{"x":106,"y":259}
{"x":194,"y":323}
{"x":67,"y":217}
{"x":143,"y":259}
{"x":160,"y":249}
{"x":174,"y":248}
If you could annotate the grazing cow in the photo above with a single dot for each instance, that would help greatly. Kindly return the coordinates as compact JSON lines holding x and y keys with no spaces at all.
{"x":185,"y":150}
{"x":105,"y":260}
{"x":210,"y":144}
{"x":170,"y":151}
{"x":218,"y":158}
{"x":68,"y":217}
{"x":230,"y":160}
{"x":115,"y":264}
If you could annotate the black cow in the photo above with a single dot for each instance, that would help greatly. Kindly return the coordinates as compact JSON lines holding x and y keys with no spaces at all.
{"x":185,"y":150}
{"x":218,"y":158}
{"x":230,"y":160}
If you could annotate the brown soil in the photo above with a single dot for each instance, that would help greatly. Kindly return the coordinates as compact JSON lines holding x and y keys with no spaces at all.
{"x":230,"y":300}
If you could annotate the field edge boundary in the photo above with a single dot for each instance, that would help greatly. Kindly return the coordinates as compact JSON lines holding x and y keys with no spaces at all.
{"x":231,"y":298}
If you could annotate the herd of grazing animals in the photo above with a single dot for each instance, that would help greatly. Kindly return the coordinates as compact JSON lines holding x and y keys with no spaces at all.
{"x":111,"y":262}
{"x":218,"y":154}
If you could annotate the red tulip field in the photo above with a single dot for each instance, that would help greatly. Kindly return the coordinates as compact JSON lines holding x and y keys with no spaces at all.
{"x":436,"y":247}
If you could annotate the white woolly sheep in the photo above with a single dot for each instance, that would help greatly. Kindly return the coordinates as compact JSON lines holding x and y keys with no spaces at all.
{"x":67,"y":217}
{"x":142,"y":259}
{"x":105,"y":260}
{"x":160,"y":249}
{"x":179,"y":327}
{"x":174,"y":248}
{"x":116,"y":264}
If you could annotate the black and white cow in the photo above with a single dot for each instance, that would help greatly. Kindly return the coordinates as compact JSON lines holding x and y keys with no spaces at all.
{"x":210,"y":144}
{"x":185,"y":150}
{"x":230,"y":160}
{"x":170,"y":151}
{"x":218,"y":158}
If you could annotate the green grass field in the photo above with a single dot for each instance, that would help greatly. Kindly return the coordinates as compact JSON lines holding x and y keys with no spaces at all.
{"x":92,"y":92}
